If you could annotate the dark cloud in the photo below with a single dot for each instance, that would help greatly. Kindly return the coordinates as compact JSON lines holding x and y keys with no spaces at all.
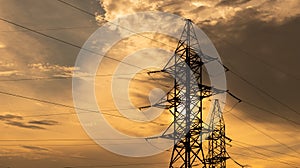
{"x":36,"y":148}
{"x":232,"y":2}
{"x":23,"y":125}
{"x":10,"y":117}
{"x":266,"y":54}
{"x":43,"y":122}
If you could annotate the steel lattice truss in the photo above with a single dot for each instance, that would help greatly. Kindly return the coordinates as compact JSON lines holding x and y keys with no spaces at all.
{"x":184,"y":101}
{"x":217,"y":156}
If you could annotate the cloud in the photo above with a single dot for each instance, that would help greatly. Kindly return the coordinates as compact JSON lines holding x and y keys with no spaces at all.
{"x":36,"y":148}
{"x":6,"y":64}
{"x":8,"y":73}
{"x":2,"y":46}
{"x":54,"y":70}
{"x":23,"y":125}
{"x":43,"y":122}
{"x":9,"y":117}
{"x":208,"y":11}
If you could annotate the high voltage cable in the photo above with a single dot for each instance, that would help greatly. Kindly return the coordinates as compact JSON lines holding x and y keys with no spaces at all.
{"x":54,"y":38}
{"x":262,"y":133}
{"x":81,"y":48}
{"x":266,"y":149}
{"x":68,"y":106}
{"x":66,"y":42}
{"x":236,"y":162}
{"x":236,"y":74}
{"x":261,"y":90}
{"x":265,"y":155}
{"x":119,"y":165}
{"x":123,"y":27}
{"x":65,"y":77}
{"x":71,"y":107}
{"x":126,"y":139}
{"x":263,"y":158}
{"x":271,"y":112}
{"x":62,"y":42}
{"x":227,"y":42}
{"x":264,"y":92}
{"x":267,"y":135}
{"x":259,"y":108}
{"x":55,"y":28}
{"x":246,"y":53}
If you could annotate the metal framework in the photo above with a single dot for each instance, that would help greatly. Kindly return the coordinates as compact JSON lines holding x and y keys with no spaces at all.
{"x":217,"y":155}
{"x":185,"y":102}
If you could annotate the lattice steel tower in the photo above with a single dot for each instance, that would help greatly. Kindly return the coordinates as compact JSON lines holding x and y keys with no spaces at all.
{"x":185,"y":101}
{"x":217,"y":155}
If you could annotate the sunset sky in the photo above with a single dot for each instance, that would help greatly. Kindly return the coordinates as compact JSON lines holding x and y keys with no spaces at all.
{"x":258,"y":40}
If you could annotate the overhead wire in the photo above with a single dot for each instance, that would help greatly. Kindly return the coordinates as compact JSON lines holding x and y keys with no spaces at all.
{"x":277,"y":100}
{"x":67,"y":43}
{"x":236,"y":74}
{"x":246,"y":53}
{"x":267,"y":156}
{"x":50,"y":29}
{"x":227,"y":69}
{"x":262,"y":158}
{"x":256,"y":146}
{"x":126,"y":63}
{"x":71,"y":107}
{"x":265,"y":149}
{"x":265,"y":134}
{"x":265,"y":93}
{"x":236,"y":162}
{"x":6,"y":93}
{"x":119,"y":165}
{"x":66,"y":77}
{"x":123,"y":27}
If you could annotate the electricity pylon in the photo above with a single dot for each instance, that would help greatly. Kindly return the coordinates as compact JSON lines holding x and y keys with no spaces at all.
{"x":185,"y":100}
{"x":217,"y":155}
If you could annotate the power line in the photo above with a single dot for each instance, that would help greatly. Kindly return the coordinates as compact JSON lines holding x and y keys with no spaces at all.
{"x":62,"y":140}
{"x":260,"y":130}
{"x":239,"y":76}
{"x":263,"y":134}
{"x":66,"y":42}
{"x":60,"y":41}
{"x":261,"y":90}
{"x":287,"y":106}
{"x":54,"y":38}
{"x":54,"y":28}
{"x":65,"y":77}
{"x":236,"y":162}
{"x":262,"y":154}
{"x":246,"y":53}
{"x":119,"y":165}
{"x":125,"y":28}
{"x":71,"y":107}
{"x":271,"y":112}
{"x":264,"y":92}
{"x":267,"y":135}
{"x":262,"y":158}
{"x":265,"y":149}
{"x":259,"y":108}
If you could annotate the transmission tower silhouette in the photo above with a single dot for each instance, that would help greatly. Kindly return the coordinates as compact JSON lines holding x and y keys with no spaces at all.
{"x":185,"y":102}
{"x":217,"y":155}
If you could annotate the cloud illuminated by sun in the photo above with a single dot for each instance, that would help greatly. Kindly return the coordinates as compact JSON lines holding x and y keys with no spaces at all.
{"x":2,"y":46}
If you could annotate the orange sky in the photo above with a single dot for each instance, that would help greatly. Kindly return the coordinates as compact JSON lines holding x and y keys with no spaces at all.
{"x":252,"y":38}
